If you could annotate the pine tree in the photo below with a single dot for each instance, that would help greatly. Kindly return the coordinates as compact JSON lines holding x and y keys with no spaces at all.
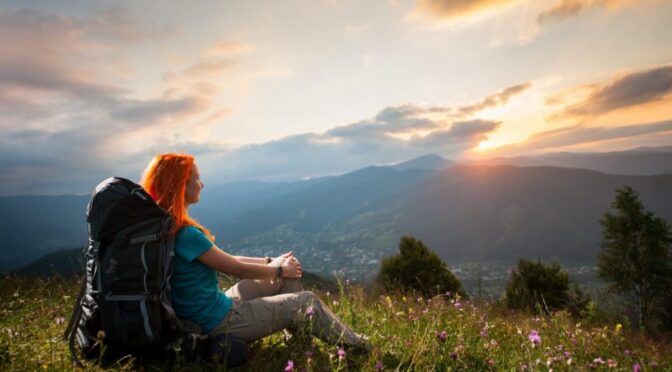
{"x":635,"y":257}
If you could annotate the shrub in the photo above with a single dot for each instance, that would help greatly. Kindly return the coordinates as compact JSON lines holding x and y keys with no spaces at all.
{"x":534,"y":286}
{"x":418,"y":268}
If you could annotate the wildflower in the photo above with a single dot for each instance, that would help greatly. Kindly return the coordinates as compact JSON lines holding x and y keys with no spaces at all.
{"x":653,"y":364}
{"x":611,"y":363}
{"x":569,"y":361}
{"x":457,"y":305}
{"x":523,"y":367}
{"x":448,"y":293}
{"x":341,"y":354}
{"x":567,"y":354}
{"x":598,"y":360}
{"x":534,"y":337}
{"x":636,"y":367}
{"x":290,"y":366}
{"x":335,"y":303}
{"x":442,"y":336}
{"x":627,"y":352}
{"x":328,"y":293}
{"x":379,"y":366}
{"x":310,"y":312}
{"x":453,"y":355}
{"x":491,"y":362}
{"x":60,"y":320}
{"x":618,"y":328}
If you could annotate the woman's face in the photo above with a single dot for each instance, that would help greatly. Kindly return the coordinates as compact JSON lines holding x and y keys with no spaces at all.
{"x":194,"y":186}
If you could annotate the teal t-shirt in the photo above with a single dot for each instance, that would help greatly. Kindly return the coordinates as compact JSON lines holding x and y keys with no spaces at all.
{"x":195,"y":289}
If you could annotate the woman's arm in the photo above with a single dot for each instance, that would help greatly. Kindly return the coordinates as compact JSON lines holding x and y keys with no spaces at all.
{"x":219,"y":260}
{"x":254,"y":260}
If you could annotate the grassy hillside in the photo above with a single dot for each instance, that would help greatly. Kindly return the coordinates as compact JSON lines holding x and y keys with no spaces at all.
{"x":408,"y":333}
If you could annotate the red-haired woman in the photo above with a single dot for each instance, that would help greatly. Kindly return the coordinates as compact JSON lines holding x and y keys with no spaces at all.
{"x":270,"y":297}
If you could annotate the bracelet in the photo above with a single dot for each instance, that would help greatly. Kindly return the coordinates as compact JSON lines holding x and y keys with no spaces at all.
{"x":278,"y":272}
{"x":267,"y":260}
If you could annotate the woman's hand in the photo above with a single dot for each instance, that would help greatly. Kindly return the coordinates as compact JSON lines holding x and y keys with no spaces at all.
{"x":291,"y":267}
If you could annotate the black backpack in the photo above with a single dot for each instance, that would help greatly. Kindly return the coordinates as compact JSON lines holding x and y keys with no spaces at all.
{"x":124,"y":305}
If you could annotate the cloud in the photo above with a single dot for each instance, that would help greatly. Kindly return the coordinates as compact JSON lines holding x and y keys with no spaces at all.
{"x":497,"y":99}
{"x":453,"y":9}
{"x":582,"y":134}
{"x":378,"y":140}
{"x":568,"y":8}
{"x":466,"y":133}
{"x":67,"y":119}
{"x":622,"y":91}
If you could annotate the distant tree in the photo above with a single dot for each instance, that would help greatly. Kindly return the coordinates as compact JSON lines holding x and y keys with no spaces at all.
{"x":535,"y":286}
{"x":635,"y":257}
{"x":416,"y":267}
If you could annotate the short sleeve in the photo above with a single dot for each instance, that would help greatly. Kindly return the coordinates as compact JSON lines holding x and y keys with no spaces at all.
{"x":191,"y":242}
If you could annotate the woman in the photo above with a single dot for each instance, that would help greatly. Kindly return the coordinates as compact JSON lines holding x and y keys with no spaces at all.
{"x":270,"y":297}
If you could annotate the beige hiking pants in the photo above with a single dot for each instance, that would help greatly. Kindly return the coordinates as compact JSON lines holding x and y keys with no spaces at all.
{"x":262,"y":307}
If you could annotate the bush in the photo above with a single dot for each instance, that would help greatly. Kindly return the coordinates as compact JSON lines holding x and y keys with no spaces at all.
{"x":418,"y":268}
{"x":535,"y":286}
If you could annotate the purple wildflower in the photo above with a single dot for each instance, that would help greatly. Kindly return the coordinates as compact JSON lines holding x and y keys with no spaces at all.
{"x":457,"y":305}
{"x":453,"y":355}
{"x":310,"y":312}
{"x":290,"y":366}
{"x":379,"y":366}
{"x":534,"y":337}
{"x":442,"y":336}
{"x":636,"y":367}
{"x":627,"y":352}
{"x":567,"y":354}
{"x":341,"y":354}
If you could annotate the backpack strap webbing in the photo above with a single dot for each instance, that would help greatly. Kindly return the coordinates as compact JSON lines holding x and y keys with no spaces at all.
{"x":71,"y":330}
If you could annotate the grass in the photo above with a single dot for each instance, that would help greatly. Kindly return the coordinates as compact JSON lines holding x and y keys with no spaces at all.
{"x":408,"y":333}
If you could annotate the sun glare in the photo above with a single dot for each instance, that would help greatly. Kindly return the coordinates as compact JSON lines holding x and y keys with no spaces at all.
{"x":485,"y":145}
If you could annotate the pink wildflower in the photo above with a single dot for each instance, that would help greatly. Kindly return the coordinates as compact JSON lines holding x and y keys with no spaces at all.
{"x":636,"y":367}
{"x":341,"y":354}
{"x":379,"y":366}
{"x":611,"y":363}
{"x":457,"y":305}
{"x":534,"y":337}
{"x":442,"y":336}
{"x":290,"y":366}
{"x":310,"y":312}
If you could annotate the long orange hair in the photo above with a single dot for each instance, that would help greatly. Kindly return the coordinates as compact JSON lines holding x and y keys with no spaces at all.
{"x":165,"y":180}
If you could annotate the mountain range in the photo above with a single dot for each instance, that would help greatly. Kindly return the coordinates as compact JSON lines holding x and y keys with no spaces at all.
{"x":491,"y":211}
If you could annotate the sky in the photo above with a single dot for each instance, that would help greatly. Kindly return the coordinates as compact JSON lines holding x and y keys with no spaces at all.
{"x":286,"y":90}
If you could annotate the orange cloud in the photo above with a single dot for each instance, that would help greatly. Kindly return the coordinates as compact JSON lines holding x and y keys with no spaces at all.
{"x":627,"y":90}
{"x":569,"y":8}
{"x":452,"y":9}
